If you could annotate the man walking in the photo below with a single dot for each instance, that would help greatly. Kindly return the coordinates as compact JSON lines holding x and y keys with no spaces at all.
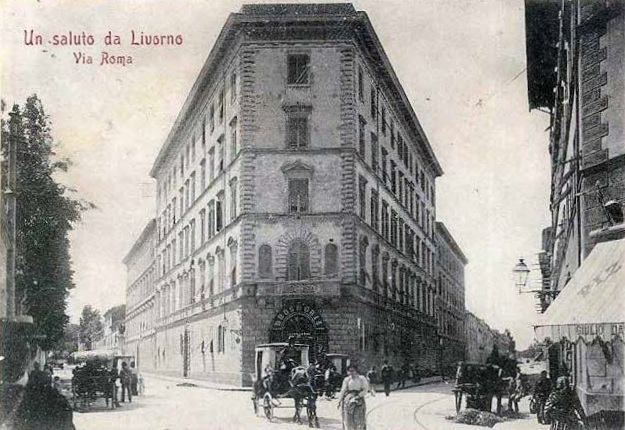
{"x":387,"y":376}
{"x":126,"y":379}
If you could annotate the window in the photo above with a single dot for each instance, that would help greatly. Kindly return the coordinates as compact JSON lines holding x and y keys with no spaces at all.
{"x":192,"y":233}
{"x":298,"y":69}
{"x":362,"y":196}
{"x":383,"y":167}
{"x":299,"y":262}
{"x":233,"y":198}
{"x":361,"y":85}
{"x":374,"y":153}
{"x":211,"y":164}
{"x":385,"y":219}
{"x":298,"y":195}
{"x":374,"y":108}
{"x":211,"y":219}
{"x":202,"y":174}
{"x":192,"y":187}
{"x":233,"y":138}
{"x":374,"y":210}
{"x":361,"y":136}
{"x":331,"y":260}
{"x":219,"y":215}
{"x":393,"y":228}
{"x":181,"y":196}
{"x":393,"y":177}
{"x":297,"y":129}
{"x":211,"y":117}
{"x":220,"y":150}
{"x":221,"y":339}
{"x":180,"y":245}
{"x":375,"y":261}
{"x":187,"y":200}
{"x":221,"y":106}
{"x":265,"y":262}
{"x":383,"y":120}
{"x":392,"y":134}
{"x":202,"y":226}
{"x":233,"y":86}
{"x":193,"y":148}
{"x":362,"y":261}
{"x":203,"y":135}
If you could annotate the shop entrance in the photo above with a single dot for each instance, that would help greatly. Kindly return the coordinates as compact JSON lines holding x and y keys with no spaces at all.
{"x":302,"y":322}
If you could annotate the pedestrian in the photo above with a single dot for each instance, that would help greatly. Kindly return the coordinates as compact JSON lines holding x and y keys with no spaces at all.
{"x":352,"y":400}
{"x":133,"y":379}
{"x":114,"y":384}
{"x":563,"y":407}
{"x":125,"y":378}
{"x":542,"y":389}
{"x":387,"y":376}
{"x":516,"y":392}
{"x":372,"y":377}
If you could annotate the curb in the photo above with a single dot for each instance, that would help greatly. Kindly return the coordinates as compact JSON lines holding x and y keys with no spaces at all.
{"x":198,"y":383}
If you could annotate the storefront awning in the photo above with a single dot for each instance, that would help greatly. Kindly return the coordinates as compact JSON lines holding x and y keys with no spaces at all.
{"x":592,"y":305}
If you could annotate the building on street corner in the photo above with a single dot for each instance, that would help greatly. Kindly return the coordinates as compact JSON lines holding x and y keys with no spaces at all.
{"x":295,"y":199}
{"x":575,"y":63}
{"x":113,"y":329}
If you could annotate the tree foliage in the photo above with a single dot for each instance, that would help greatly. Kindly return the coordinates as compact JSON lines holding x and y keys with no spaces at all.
{"x":45,"y":214}
{"x":90,"y":326}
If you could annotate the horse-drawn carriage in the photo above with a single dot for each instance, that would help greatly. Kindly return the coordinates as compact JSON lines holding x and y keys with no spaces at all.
{"x":332,"y":371}
{"x":480,"y":383}
{"x":95,"y":377}
{"x":281,"y":373}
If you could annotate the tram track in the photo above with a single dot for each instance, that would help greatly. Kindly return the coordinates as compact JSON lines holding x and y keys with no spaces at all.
{"x":414,"y":414}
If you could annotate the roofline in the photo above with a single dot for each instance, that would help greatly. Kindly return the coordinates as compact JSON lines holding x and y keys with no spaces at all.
{"x":150,"y":226}
{"x":434,"y":164}
{"x":236,"y":19}
{"x":194,"y":94}
{"x":444,"y":232}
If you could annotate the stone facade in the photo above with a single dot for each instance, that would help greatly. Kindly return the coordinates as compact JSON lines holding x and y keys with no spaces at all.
{"x":296,"y":199}
{"x":450,"y":298}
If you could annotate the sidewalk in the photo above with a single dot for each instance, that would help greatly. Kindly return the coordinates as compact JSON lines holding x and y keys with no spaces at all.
{"x":197,"y":382}
{"x":224,"y":387}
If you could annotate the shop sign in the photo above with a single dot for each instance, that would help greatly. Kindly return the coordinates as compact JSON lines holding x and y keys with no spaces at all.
{"x":298,"y":309}
{"x":601,"y":330}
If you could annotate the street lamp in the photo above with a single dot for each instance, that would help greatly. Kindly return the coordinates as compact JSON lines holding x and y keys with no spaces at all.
{"x":521,"y":273}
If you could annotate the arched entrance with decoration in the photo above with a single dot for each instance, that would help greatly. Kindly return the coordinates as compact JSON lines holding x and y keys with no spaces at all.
{"x":302,"y":321}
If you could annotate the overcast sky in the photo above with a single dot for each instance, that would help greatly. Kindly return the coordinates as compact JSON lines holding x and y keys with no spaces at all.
{"x":461,"y":64}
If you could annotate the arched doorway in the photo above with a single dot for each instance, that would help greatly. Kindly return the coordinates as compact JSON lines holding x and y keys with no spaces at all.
{"x":301,"y":321}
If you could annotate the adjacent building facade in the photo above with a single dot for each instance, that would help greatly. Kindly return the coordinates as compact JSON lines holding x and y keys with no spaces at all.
{"x":296,"y":199}
{"x":113,"y":330}
{"x":450,"y":297}
{"x":575,"y":63}
{"x":138,"y":335}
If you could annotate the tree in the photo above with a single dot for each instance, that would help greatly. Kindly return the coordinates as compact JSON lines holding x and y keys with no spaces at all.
{"x":69,"y":342}
{"x":90,"y":326}
{"x":45,"y":214}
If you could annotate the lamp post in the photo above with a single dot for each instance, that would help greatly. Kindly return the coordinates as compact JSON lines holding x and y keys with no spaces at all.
{"x":521,"y":274}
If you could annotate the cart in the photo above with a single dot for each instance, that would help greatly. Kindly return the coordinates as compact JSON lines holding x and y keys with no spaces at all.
{"x":337,"y":364}
{"x":280,"y":373}
{"x":94,"y":378}
{"x":480,"y":383}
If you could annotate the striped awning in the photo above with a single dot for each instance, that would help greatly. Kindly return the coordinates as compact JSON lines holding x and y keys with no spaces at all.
{"x":592,"y":305}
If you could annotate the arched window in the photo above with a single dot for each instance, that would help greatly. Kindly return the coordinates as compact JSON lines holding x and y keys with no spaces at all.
{"x":299,"y":262}
{"x":265,"y":262}
{"x":331,"y":260}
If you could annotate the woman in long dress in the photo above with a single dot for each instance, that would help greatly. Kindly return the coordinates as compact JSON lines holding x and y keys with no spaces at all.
{"x":352,"y":400}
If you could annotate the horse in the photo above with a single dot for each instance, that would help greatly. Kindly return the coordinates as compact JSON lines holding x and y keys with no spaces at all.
{"x":292,"y":384}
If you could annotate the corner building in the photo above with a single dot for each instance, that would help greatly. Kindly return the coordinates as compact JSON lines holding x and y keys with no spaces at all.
{"x":296,"y":199}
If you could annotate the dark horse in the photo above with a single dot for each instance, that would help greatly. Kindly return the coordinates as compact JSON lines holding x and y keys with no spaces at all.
{"x":288,"y":383}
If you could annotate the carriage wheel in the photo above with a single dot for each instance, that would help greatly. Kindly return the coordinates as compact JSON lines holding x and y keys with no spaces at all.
{"x":268,"y":406}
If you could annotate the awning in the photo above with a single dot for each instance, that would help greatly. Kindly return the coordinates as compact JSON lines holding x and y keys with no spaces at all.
{"x":592,"y":305}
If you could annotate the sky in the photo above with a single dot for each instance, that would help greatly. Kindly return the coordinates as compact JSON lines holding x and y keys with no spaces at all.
{"x":461,"y":63}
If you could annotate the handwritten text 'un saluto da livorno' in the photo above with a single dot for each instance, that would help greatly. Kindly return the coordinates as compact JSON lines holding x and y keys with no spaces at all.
{"x":80,"y":41}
